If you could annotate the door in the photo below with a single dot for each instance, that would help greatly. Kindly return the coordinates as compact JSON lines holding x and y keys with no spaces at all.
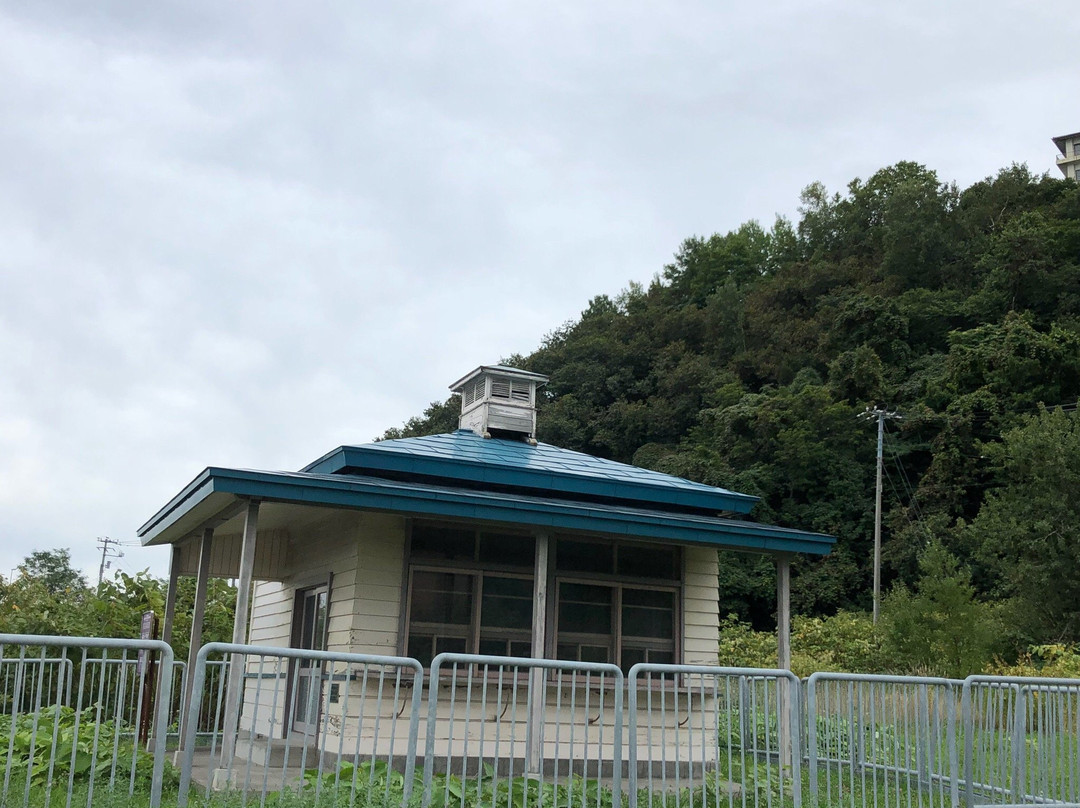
{"x":311,"y":635}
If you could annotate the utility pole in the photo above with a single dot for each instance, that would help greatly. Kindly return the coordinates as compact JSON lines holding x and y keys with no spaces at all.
{"x":880,"y":413}
{"x":104,"y":542}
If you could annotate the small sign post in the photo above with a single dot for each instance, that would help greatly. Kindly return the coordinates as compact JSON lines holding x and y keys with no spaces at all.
{"x":147,"y":673}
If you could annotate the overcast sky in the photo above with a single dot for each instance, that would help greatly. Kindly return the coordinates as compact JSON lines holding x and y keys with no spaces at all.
{"x":244,"y":233}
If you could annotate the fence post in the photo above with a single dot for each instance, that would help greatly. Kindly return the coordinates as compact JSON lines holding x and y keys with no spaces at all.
{"x":191,"y":724}
{"x":950,"y":741}
{"x":795,"y":715}
{"x":922,"y":736}
{"x":631,"y":736}
{"x":811,"y":735}
{"x":967,"y":721}
{"x":1017,"y":786}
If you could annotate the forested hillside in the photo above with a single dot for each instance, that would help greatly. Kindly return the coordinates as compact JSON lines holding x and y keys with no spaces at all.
{"x":746,"y":361}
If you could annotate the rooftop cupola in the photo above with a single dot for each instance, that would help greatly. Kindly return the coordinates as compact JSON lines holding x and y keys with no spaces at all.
{"x":499,"y":401}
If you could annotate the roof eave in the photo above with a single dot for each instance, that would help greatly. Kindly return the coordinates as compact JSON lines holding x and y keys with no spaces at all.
{"x":382,"y":495}
{"x":190,"y":496}
{"x":528,"y":375}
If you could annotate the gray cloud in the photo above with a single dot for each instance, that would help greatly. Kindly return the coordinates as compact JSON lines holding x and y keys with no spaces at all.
{"x":244,"y":233}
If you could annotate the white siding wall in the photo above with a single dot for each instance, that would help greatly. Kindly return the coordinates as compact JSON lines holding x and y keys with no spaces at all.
{"x":329,"y":547}
{"x":380,"y":560}
{"x":701,"y":619}
{"x":365,"y":553}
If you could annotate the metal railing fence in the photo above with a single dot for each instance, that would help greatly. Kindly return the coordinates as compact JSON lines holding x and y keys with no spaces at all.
{"x":714,"y":735}
{"x":211,"y":704}
{"x":341,"y":728}
{"x":1021,"y":740}
{"x":505,"y":731}
{"x":19,"y":680}
{"x":326,"y":722}
{"x":883,"y":740}
{"x":93,"y":739}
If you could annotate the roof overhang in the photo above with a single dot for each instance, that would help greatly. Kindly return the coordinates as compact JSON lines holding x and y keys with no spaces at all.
{"x":213,"y":495}
{"x":1059,"y":141}
{"x":500,"y":370}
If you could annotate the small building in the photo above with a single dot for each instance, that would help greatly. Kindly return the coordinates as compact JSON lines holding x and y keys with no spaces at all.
{"x":480,"y":541}
{"x":1069,"y":160}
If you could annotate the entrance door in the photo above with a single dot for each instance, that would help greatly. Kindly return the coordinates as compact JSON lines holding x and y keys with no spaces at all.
{"x":310,"y":634}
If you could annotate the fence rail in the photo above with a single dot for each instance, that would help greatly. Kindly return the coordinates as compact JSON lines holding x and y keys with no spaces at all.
{"x":543,"y":727}
{"x":318,"y":720}
{"x":41,"y":741}
{"x":700,"y":731}
{"x":341,"y":728}
{"x":1022,"y":740}
{"x":883,"y":740}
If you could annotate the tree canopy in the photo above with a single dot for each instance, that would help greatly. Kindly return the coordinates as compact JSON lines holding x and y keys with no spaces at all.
{"x":746,"y":359}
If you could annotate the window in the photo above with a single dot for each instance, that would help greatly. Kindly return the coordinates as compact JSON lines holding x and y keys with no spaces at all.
{"x":616,"y":602}
{"x":472,"y":592}
{"x":469,"y":592}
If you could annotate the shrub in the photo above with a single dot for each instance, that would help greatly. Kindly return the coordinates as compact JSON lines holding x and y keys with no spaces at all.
{"x":32,"y":749}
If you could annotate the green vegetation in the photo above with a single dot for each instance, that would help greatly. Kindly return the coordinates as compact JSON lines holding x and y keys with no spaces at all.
{"x":745,"y":361}
{"x":49,"y":597}
{"x":84,"y":748}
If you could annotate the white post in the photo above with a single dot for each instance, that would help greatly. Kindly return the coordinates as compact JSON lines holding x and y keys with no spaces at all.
{"x":783,"y":655}
{"x":877,"y":517}
{"x":201,"y":581}
{"x":537,"y":677}
{"x":235,"y":686}
{"x":170,"y":596}
{"x":166,"y":627}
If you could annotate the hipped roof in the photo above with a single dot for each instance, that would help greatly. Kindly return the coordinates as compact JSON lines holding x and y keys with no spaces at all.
{"x":464,"y":476}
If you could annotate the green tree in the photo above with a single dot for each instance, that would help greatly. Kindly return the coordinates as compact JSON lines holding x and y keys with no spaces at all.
{"x":53,"y":568}
{"x":939,"y":627}
{"x":1028,"y":530}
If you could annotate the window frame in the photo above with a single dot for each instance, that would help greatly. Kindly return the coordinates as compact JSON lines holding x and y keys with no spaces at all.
{"x":477,"y":570}
{"x":672,"y":585}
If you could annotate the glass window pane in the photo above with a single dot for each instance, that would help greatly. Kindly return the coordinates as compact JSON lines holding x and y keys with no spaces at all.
{"x":647,"y":613}
{"x":506,"y":603}
{"x":516,"y":551}
{"x":441,"y":597}
{"x":595,"y":653}
{"x":584,"y":556}
{"x":630,"y":657}
{"x":419,"y":648}
{"x":521,"y":649}
{"x":493,"y":647}
{"x":585,"y":609}
{"x":648,"y":562}
{"x":443,"y":543}
{"x":450,"y":645}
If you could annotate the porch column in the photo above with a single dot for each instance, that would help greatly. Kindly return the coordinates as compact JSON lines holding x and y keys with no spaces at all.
{"x":534,"y":754}
{"x":235,"y":686}
{"x":783,"y":612}
{"x":170,"y":596}
{"x":783,"y":656}
{"x":198,"y":611}
{"x":166,"y":629}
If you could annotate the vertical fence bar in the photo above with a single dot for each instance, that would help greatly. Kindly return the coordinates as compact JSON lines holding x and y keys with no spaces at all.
{"x":119,"y":716}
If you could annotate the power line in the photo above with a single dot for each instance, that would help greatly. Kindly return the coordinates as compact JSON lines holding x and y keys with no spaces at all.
{"x":905,"y":480}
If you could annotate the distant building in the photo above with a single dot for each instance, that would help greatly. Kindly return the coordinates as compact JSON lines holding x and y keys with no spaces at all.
{"x":1069,"y":161}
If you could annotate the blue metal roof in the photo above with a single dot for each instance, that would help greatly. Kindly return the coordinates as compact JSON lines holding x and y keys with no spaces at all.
{"x":207,"y":493}
{"x":544,"y":470}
